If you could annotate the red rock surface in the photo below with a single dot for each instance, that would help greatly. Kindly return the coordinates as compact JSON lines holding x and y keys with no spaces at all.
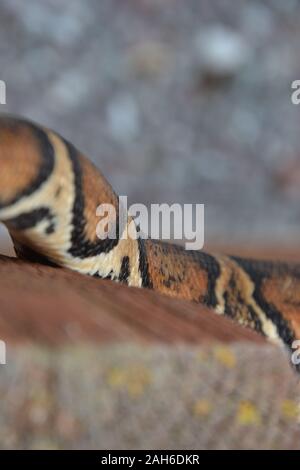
{"x":52,"y":306}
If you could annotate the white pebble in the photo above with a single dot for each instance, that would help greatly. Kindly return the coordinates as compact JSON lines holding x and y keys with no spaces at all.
{"x":221,"y":51}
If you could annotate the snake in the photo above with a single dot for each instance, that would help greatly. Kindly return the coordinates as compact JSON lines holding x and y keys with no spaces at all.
{"x":49,"y":194}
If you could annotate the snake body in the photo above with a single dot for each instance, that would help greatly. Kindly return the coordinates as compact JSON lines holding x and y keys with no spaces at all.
{"x":49,"y":193}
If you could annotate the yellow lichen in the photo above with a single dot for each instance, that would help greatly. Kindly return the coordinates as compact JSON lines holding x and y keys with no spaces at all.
{"x":134,"y":379}
{"x":225,"y":356}
{"x":290,"y":409}
{"x":248,"y":414}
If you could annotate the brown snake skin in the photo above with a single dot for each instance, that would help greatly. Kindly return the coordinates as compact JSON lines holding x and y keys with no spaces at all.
{"x":49,"y":193}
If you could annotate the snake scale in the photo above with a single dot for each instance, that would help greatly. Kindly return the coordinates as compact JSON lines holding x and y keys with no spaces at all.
{"x":49,"y":193}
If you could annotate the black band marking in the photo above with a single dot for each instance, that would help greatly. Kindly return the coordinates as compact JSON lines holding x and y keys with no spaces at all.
{"x":47,"y":153}
{"x":125,"y":270}
{"x":212,"y":267}
{"x":30,"y":219}
{"x":257,"y":273}
{"x":143,"y":264}
{"x":80,"y":246}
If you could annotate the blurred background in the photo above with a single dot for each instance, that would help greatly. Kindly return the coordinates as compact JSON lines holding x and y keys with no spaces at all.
{"x":175,"y":101}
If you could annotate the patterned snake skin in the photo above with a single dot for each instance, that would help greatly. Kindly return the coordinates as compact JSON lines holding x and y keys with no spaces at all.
{"x":49,"y":193}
